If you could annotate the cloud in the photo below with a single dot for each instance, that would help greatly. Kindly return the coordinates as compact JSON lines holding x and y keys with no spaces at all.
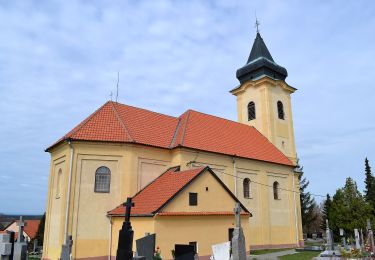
{"x":59,"y":62}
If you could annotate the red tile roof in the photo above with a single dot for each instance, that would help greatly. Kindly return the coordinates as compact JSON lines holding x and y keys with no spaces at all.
{"x":115,"y":122}
{"x":152,"y":198}
{"x":31,"y":227}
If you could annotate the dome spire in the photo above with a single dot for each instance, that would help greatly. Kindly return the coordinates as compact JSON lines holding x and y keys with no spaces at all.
{"x":260,"y":62}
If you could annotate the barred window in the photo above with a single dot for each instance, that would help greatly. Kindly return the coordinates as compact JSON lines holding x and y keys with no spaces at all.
{"x":276,"y":190}
{"x":251,"y":111}
{"x":280,"y":110}
{"x":102,"y":180}
{"x":246,"y":188}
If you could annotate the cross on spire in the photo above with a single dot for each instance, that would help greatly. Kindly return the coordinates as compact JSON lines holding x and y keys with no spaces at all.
{"x":257,"y":23}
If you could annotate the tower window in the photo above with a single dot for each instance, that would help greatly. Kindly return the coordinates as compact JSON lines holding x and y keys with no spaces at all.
{"x":102,"y":180}
{"x":193,"y":199}
{"x":276,"y":190}
{"x":251,"y":110}
{"x":280,"y":110}
{"x":246,"y":188}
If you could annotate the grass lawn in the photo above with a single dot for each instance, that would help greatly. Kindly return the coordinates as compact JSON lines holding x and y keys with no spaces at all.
{"x":267,"y":251}
{"x":300,"y":256}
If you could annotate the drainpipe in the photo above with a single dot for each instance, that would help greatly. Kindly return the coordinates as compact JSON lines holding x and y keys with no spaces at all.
{"x":235,"y":175}
{"x":110,"y":238}
{"x":68,"y":194}
{"x":295,"y":208}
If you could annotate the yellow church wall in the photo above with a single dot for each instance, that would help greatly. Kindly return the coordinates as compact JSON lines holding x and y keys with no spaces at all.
{"x":129,"y":165}
{"x":205,"y":230}
{"x":55,"y":208}
{"x":211,"y":197}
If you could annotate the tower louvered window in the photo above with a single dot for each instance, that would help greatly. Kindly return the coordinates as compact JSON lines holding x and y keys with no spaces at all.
{"x":280,"y":110}
{"x":246,"y":188}
{"x":102,"y":180}
{"x":251,"y":110}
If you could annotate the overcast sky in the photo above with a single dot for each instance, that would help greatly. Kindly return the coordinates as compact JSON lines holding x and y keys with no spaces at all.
{"x":59,"y":62}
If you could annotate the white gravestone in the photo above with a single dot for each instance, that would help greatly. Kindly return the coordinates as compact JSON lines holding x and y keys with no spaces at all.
{"x":221,"y":251}
{"x":5,"y":246}
{"x":356,"y":235}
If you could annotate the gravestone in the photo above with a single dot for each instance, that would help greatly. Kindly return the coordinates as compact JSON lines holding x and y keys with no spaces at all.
{"x":35,"y":245}
{"x":146,"y":246}
{"x":5,"y":247}
{"x":329,"y":245}
{"x":126,"y":234}
{"x":357,"y":243}
{"x":342,"y":234}
{"x":20,"y":247}
{"x":362,"y":240}
{"x":221,"y":251}
{"x":238,"y":239}
{"x":66,"y":251}
{"x":370,"y":237}
{"x":184,"y":252}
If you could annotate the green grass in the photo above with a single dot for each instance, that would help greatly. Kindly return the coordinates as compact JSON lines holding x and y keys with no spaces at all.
{"x":300,"y":256}
{"x":267,"y":251}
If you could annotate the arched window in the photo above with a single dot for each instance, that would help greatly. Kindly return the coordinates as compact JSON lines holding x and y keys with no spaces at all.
{"x":102,"y":180}
{"x":246,"y":188}
{"x":58,"y":184}
{"x":276,"y":190}
{"x":280,"y":110}
{"x":251,"y":111}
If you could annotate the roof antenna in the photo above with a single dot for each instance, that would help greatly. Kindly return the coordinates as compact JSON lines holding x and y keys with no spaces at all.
{"x":118,"y":80}
{"x":256,"y":22}
{"x":111,"y":95}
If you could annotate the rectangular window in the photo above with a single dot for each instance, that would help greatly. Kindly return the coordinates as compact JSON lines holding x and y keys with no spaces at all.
{"x":195,"y":245}
{"x":193,"y":199}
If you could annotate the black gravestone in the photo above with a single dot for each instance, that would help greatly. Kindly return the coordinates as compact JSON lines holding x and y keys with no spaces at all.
{"x":125,"y":239}
{"x":184,"y":252}
{"x":146,"y":246}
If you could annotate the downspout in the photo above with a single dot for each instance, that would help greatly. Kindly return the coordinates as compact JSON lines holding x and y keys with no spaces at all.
{"x":235,"y":175}
{"x":295,"y":208}
{"x":68,"y":195}
{"x":110,"y":238}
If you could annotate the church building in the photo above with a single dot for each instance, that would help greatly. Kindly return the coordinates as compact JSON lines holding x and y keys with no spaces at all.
{"x":186,"y":171}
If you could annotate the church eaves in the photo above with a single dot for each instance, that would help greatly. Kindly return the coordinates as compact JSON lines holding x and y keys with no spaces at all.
{"x":260,"y":63}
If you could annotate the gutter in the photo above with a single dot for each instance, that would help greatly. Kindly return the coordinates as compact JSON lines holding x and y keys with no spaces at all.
{"x":235,"y":176}
{"x":110,"y":238}
{"x":68,"y":194}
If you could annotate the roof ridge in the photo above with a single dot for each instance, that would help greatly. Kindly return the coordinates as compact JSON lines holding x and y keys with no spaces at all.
{"x":84,"y":122}
{"x":202,"y":169}
{"x":121,"y":122}
{"x":175,"y":133}
{"x":185,"y":126}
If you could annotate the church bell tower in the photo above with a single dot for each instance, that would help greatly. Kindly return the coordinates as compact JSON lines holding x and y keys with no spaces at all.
{"x":264,"y":98}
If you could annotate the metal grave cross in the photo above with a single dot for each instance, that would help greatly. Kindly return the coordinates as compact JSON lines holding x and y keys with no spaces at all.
{"x":128,"y":206}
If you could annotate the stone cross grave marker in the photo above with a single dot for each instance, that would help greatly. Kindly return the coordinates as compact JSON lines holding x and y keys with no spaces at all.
{"x":342,"y":234}
{"x":221,"y":251}
{"x":20,"y":247}
{"x":238,"y":239}
{"x":126,"y":234}
{"x":146,"y":246}
{"x":329,"y":245}
{"x":356,"y":235}
{"x":370,"y":237}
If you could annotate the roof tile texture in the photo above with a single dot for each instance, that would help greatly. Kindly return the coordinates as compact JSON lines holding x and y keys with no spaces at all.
{"x":115,"y":122}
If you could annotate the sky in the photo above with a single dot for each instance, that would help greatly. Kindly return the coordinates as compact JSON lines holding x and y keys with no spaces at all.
{"x":59,"y":62}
